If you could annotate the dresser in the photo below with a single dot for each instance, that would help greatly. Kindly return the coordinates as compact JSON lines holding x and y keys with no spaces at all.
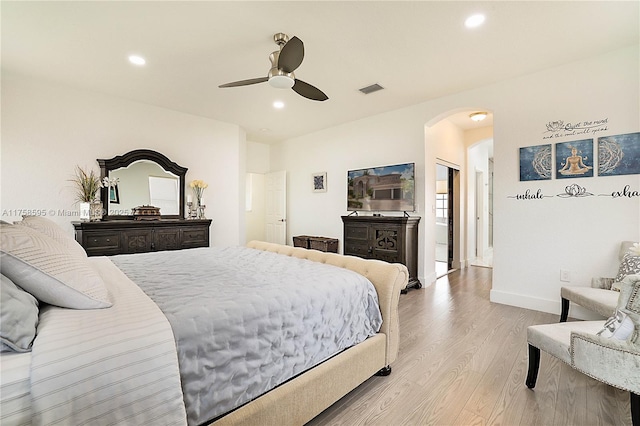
{"x":111,"y":237}
{"x":393,"y":239}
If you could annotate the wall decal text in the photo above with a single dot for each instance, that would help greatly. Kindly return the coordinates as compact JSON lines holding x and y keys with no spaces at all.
{"x":626,"y":192}
{"x":528,"y":195}
{"x":575,"y":191}
{"x":559,"y":128}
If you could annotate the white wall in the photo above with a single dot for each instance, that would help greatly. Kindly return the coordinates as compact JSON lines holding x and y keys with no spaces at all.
{"x":47,"y":130}
{"x":532,"y":239}
{"x":376,"y":141}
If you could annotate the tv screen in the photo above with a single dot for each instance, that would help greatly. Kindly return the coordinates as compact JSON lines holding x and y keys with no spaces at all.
{"x":387,"y":188}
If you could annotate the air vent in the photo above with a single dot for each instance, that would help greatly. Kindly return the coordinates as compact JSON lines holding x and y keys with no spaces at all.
{"x":371,"y":89}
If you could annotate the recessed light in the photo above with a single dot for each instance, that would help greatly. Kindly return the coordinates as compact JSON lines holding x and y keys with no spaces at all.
{"x":474,"y":21}
{"x":278,"y":104}
{"x":137,"y":60}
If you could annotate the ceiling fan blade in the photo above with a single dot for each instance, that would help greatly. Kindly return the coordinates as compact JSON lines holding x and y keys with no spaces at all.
{"x":291,"y":55}
{"x":245,"y":82}
{"x":309,"y":91}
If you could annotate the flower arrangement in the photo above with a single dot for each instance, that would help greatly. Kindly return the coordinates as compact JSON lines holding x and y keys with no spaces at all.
{"x":109,"y":182}
{"x":87,"y":185}
{"x":198,"y":187}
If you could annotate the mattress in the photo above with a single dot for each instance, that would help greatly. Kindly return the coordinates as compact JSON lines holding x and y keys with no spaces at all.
{"x":248,"y":320}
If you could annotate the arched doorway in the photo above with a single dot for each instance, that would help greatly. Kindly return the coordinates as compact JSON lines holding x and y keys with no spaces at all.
{"x":447,"y":140}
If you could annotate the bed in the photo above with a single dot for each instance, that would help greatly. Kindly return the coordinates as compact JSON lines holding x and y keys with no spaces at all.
{"x":124,"y":363}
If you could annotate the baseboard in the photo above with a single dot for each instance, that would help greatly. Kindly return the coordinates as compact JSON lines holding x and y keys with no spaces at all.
{"x":542,"y":305}
{"x":428,"y":280}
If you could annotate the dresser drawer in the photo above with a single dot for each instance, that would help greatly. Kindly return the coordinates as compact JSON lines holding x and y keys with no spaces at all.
{"x":390,"y":256}
{"x":355,"y":232}
{"x":356,"y":248}
{"x":195,"y":237}
{"x":101,"y":240}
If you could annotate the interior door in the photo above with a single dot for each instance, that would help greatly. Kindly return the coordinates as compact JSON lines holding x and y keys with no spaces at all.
{"x":276,"y":207}
{"x":479,"y":211}
{"x":450,"y":219}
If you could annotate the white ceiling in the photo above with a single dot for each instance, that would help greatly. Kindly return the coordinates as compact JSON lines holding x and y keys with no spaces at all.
{"x":417,"y":50}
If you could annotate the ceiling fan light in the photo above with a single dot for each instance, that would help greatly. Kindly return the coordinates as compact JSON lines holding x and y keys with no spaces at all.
{"x":281,"y":82}
{"x":478,"y":116}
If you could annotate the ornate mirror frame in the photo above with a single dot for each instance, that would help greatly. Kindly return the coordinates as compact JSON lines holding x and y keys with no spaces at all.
{"x":107,"y":165}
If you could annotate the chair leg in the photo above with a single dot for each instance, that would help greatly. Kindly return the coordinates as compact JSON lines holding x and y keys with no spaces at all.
{"x":635,"y":409}
{"x":534,"y":365}
{"x":565,"y":310}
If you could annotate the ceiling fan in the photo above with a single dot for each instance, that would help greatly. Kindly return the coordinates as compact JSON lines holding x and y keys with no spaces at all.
{"x":283,"y":63}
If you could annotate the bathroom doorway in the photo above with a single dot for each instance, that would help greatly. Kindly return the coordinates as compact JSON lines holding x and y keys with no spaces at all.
{"x":446,"y":182}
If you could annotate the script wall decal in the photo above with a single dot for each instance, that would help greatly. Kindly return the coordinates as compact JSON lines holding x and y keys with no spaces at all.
{"x":560,"y":128}
{"x":575,"y":191}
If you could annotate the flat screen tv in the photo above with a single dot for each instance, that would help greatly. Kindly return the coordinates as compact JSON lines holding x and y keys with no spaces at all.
{"x":379,"y":189}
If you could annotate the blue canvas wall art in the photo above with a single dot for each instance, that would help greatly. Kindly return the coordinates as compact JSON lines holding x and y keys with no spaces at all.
{"x":535,"y":163}
{"x":574,"y":159}
{"x":619,"y":155}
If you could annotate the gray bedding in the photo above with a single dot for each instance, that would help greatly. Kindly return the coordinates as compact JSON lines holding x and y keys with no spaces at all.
{"x":247,"y":320}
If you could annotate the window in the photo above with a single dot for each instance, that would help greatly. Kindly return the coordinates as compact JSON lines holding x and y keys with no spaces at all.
{"x":442,"y":208}
{"x":163,"y":193}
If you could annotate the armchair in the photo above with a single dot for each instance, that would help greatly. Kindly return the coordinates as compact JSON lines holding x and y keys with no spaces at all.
{"x":600,"y":297}
{"x":585,"y":346}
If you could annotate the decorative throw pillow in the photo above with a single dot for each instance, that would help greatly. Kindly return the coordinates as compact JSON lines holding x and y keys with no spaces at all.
{"x":51,"y":229}
{"x":630,"y":265}
{"x":629,"y":308}
{"x":47,"y":270}
{"x":619,"y":326}
{"x":18,"y":317}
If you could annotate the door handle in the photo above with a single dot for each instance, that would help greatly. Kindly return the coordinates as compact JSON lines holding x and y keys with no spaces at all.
{"x":282,"y":220}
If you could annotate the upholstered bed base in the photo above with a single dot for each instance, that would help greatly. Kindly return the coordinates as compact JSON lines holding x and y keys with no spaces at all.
{"x":304,"y":397}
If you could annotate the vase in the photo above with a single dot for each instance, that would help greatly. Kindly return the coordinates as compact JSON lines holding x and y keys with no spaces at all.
{"x":95,"y":211}
{"x":85,"y":212}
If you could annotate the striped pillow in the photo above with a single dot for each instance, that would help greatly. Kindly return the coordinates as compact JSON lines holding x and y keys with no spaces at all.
{"x":49,"y":271}
{"x":53,"y":230}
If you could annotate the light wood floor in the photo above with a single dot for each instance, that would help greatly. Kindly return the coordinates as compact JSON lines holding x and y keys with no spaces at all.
{"x":463,"y":361}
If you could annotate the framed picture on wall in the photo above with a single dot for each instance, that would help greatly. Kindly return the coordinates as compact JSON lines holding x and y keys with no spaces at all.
{"x":619,"y":155}
{"x":574,"y":159}
{"x":320,"y":182}
{"x":535,"y":163}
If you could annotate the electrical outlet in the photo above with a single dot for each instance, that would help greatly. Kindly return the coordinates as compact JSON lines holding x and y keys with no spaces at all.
{"x":565,"y":275}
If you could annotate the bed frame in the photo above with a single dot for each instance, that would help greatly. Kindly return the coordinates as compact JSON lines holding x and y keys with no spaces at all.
{"x":301,"y":399}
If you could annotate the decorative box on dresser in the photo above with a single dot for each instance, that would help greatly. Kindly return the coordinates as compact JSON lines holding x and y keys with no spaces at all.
{"x":139,"y":236}
{"x":393,"y":239}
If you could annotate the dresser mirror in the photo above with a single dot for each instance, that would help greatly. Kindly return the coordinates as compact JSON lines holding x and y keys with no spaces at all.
{"x":142,"y":177}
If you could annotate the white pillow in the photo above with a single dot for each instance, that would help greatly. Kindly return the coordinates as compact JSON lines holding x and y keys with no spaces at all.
{"x":49,"y":271}
{"x":18,"y":317}
{"x":620,"y":326}
{"x":53,"y":230}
